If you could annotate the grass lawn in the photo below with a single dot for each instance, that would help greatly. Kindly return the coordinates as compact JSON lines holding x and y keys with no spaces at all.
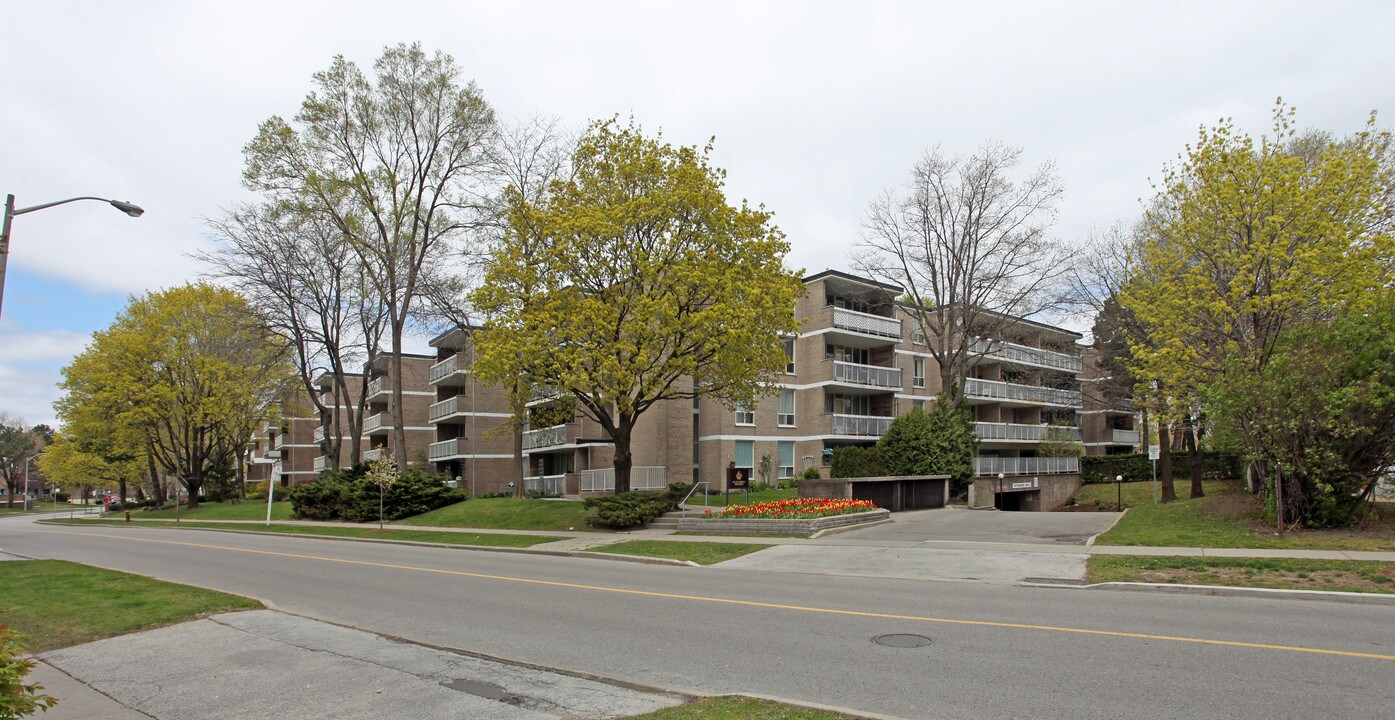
{"x":367,"y":531}
{"x":58,"y":603}
{"x":734,"y":707}
{"x":1286,"y":573}
{"x":506,"y":513}
{"x":1228,"y":517}
{"x":249,"y":510}
{"x":702,"y":553}
{"x":738,"y":497}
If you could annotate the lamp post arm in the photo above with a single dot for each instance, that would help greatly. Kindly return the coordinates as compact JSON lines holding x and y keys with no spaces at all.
{"x":32,"y":208}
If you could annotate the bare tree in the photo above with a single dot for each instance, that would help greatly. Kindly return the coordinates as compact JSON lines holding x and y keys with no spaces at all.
{"x":397,"y":166}
{"x":969,"y":245}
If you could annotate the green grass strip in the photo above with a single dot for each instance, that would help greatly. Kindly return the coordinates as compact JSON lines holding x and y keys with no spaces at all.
{"x":702,"y":553}
{"x":735,"y":707}
{"x":506,"y":514}
{"x":58,"y":603}
{"x":444,"y":537}
{"x":1274,"y":573}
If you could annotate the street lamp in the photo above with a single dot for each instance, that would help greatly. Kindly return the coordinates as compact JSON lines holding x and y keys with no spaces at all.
{"x":998,"y":501}
{"x":11,"y":211}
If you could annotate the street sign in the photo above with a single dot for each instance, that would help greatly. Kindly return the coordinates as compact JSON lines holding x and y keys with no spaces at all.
{"x":1154,"y":452}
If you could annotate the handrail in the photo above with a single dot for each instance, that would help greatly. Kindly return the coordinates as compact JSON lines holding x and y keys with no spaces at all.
{"x":684,"y":504}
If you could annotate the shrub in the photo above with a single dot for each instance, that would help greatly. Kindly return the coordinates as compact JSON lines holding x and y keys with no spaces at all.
{"x":61,"y":497}
{"x":810,"y":474}
{"x":346,"y":494}
{"x":937,"y":441}
{"x":1137,"y":466}
{"x":626,"y":510}
{"x":18,"y":700}
{"x":852,"y":461}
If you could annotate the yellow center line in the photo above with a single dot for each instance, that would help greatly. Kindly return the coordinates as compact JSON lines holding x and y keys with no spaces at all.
{"x":756,"y":603}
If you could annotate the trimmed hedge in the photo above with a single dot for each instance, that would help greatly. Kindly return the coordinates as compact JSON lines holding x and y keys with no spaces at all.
{"x":852,"y":461}
{"x":1137,"y":466}
{"x":628,"y":509}
{"x":346,"y":494}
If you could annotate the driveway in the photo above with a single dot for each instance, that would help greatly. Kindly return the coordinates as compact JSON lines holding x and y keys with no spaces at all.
{"x":959,"y":525}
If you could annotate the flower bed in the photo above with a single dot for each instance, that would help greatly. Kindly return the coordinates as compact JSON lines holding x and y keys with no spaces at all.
{"x":793,"y":509}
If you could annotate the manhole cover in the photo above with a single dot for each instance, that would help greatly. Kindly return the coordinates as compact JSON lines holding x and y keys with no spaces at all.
{"x":902,"y":640}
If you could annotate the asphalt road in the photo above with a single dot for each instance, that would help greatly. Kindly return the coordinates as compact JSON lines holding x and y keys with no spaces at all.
{"x":997,"y":651}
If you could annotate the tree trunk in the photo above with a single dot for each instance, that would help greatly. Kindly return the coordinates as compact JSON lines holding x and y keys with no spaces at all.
{"x":623,"y":459}
{"x":121,"y":489}
{"x":1168,"y":492}
{"x":399,"y":426}
{"x":194,"y":483}
{"x":1194,"y":456}
{"x":519,"y":408}
{"x":156,"y":487}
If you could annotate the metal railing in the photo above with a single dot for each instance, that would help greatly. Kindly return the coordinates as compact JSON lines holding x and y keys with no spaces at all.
{"x":641,"y":478}
{"x":1019,"y":432}
{"x":374,"y":454}
{"x":866,"y":323}
{"x":999,"y":390}
{"x":444,"y":449}
{"x":444,"y":369}
{"x":374,"y":423}
{"x":874,"y":425}
{"x":376,"y":387}
{"x":1012,"y":352}
{"x":319,"y":433}
{"x":871,"y":375}
{"x":1128,"y":437}
{"x":545,"y":437}
{"x":989,"y":466}
{"x":279,"y":441}
{"x":321,"y":462}
{"x":445,"y":408}
{"x":546,"y":484}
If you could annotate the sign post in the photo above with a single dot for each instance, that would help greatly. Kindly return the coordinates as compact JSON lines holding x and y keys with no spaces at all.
{"x":1155,"y":452}
{"x":739,"y":479}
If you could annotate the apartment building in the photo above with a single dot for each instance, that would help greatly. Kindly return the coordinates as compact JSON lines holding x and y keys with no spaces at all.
{"x":285,"y":450}
{"x":417,"y":397}
{"x":1108,"y":421}
{"x":860,"y":360}
{"x":473,"y":441}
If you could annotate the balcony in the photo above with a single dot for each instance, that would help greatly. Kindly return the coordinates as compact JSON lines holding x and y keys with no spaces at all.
{"x":444,"y":409}
{"x":374,"y":454}
{"x":546,"y":484}
{"x":545,"y":437}
{"x":641,"y":478}
{"x":377,"y":424}
{"x":866,"y":323}
{"x":991,"y":466}
{"x":378,"y":387}
{"x":446,"y":449}
{"x":869,"y":425}
{"x":319,"y":433}
{"x":1014,"y":393}
{"x":1014,"y":432}
{"x":867,"y":375}
{"x":321,"y":463}
{"x":1025,"y":355}
{"x":1125,"y":437}
{"x":449,"y":372}
{"x":279,"y":440}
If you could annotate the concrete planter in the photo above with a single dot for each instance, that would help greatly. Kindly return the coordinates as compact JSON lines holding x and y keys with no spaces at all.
{"x":761,"y":526}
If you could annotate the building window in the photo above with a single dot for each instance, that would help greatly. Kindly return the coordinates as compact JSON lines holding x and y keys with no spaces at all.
{"x":746,"y":454}
{"x":918,"y":375}
{"x":786,"y":408}
{"x":789,"y":356}
{"x":839,"y":404}
{"x":918,"y":404}
{"x":745,"y":416}
{"x":917,"y":335}
{"x":786,"y":453}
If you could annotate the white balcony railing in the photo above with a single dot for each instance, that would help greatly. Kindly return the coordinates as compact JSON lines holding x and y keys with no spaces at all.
{"x":1018,"y":432}
{"x":319,"y":434}
{"x":546,"y":484}
{"x":990,"y":466}
{"x":1012,"y":352}
{"x":374,"y":423}
{"x":641,"y":478}
{"x":1125,"y":437}
{"x":445,"y":408}
{"x":444,"y":369}
{"x":374,"y":454}
{"x":869,"y":375}
{"x":998,"y":390}
{"x":545,"y":437}
{"x":377,"y":387}
{"x":872,"y":425}
{"x":321,"y":462}
{"x":445,"y":449}
{"x":279,"y":441}
{"x":866,"y":323}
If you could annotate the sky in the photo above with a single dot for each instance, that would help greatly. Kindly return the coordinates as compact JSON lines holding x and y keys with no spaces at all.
{"x":816,"y":108}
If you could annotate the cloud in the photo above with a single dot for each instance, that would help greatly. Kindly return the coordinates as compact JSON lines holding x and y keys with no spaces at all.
{"x":30,"y":370}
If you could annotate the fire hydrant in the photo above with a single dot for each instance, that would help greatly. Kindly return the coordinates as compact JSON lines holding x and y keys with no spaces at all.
{"x":128,"y":516}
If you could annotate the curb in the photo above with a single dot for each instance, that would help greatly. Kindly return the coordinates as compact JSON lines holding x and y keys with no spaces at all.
{"x":451,"y":546}
{"x":1352,"y":598}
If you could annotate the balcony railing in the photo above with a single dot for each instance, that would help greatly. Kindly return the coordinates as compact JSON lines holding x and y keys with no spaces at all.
{"x":374,"y":454}
{"x":374,"y":423}
{"x":866,"y":323}
{"x":1019,"y":432}
{"x":998,"y":390}
{"x":1012,"y":352}
{"x":872,"y":425}
{"x":545,"y":437}
{"x":990,"y":466}
{"x":319,"y":434}
{"x":377,"y":387}
{"x":445,"y":449}
{"x":279,"y":441}
{"x":641,"y":478}
{"x":546,"y":484}
{"x":869,"y":375}
{"x":321,"y":462}
{"x":445,"y":368}
{"x":1125,"y":437}
{"x":445,"y":408}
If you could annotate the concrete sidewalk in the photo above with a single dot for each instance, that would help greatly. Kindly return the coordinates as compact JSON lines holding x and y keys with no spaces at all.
{"x":263,"y":663}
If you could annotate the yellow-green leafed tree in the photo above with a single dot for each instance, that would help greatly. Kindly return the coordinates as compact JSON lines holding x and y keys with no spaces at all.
{"x":1247,"y":239}
{"x":635,"y":282}
{"x":187,"y":371}
{"x":67,"y":466}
